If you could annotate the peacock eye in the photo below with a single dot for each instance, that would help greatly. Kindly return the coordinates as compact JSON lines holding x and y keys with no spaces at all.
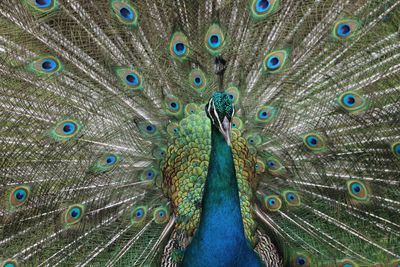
{"x":124,"y":12}
{"x":161,"y":215}
{"x":150,"y":128}
{"x":65,"y":130}
{"x":275,"y":61}
{"x":345,"y":28}
{"x":45,"y":66}
{"x":272,"y":203}
{"x":260,"y":9}
{"x":138,"y":214}
{"x":179,"y":49}
{"x":265,"y":114}
{"x":111,"y":159}
{"x":197,"y":80}
{"x":314,"y":142}
{"x":74,"y":214}
{"x":49,"y":65}
{"x":215,"y":39}
{"x":19,"y":196}
{"x":150,"y":174}
{"x":358,"y":190}
{"x":275,"y":167}
{"x":106,"y":163}
{"x":69,"y":128}
{"x":292,"y":198}
{"x":132,"y":79}
{"x":352,"y":102}
{"x":173,"y":106}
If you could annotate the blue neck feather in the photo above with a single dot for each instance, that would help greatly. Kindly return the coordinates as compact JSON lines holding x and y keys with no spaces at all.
{"x":220,"y":239}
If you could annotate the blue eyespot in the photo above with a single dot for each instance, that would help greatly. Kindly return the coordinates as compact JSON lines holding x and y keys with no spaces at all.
{"x":263,"y":114}
{"x":214,"y":41}
{"x":291,"y":196}
{"x":151,"y":128}
{"x":20,"y":195}
{"x":262,"y":6}
{"x":9,"y":264}
{"x":174,"y":105}
{"x":132,"y":79}
{"x":344,"y":30}
{"x":349,"y":100}
{"x":356,"y":188}
{"x":179,"y":49}
{"x":43,"y":3}
{"x":312,"y":141}
{"x":273,"y":63}
{"x":348,"y":265}
{"x":69,"y":128}
{"x":301,"y":260}
{"x":49,"y":65}
{"x":198,"y":81}
{"x":139,"y":213}
{"x":150,"y":174}
{"x":127,"y":13}
{"x":111,"y":159}
{"x":271,"y":163}
{"x":271,"y":202}
{"x":75,"y":212}
{"x":161,"y":214}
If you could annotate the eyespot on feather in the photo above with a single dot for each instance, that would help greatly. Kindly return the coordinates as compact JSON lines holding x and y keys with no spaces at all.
{"x":19,"y":196}
{"x":272,"y":203}
{"x":74,"y":214}
{"x":139,"y":214}
{"x":352,"y":102}
{"x":261,"y":9}
{"x":358,"y":190}
{"x":197,"y":80}
{"x":65,"y":130}
{"x":215,"y":40}
{"x":179,"y":46}
{"x":275,"y":61}
{"x":161,"y":215}
{"x":345,"y":29}
{"x":125,"y":12}
{"x":45,"y":66}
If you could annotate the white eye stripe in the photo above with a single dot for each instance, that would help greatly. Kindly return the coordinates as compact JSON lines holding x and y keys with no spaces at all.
{"x":216,"y":115}
{"x":209,"y":109}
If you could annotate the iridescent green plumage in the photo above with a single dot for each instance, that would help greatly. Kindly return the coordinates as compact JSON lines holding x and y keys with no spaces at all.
{"x":105,"y":141}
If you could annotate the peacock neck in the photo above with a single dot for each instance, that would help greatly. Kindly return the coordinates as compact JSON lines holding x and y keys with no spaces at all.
{"x":220,"y":239}
{"x":221,"y":192}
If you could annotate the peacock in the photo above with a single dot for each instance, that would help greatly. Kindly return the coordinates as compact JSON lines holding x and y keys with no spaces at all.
{"x":200,"y":133}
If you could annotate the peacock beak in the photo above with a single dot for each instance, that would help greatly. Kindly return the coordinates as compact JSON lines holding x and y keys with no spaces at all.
{"x":225,"y":129}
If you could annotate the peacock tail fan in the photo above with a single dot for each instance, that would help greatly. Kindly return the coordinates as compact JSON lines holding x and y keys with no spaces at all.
{"x":105,"y":141}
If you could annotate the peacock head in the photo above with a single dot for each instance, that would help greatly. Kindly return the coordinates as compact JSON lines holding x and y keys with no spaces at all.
{"x":220,"y":110}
